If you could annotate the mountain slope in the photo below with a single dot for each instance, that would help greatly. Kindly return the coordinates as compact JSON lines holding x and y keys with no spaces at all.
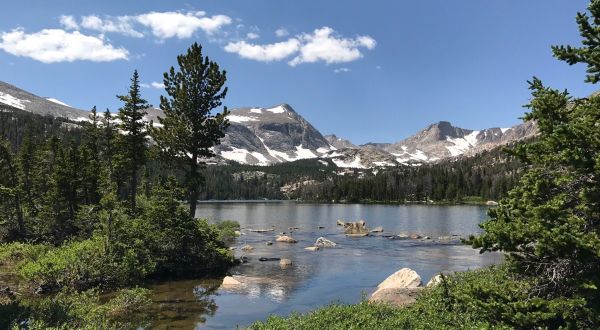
{"x":264,"y":136}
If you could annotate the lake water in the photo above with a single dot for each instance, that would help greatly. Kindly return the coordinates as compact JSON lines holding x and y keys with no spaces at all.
{"x":342,"y":274}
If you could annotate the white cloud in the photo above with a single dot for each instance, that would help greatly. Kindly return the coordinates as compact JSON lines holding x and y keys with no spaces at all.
{"x":324,"y":45}
{"x":157,"y":85}
{"x":56,"y":45}
{"x":175,"y":24}
{"x":121,"y":24}
{"x":281,"y":32}
{"x":340,"y":70}
{"x":264,"y":53}
{"x":68,"y":22}
{"x":252,"y":35}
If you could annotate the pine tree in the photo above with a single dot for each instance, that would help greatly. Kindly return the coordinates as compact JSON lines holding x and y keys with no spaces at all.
{"x":189,"y":129}
{"x":90,"y":162}
{"x":10,"y":195}
{"x":550,"y":223}
{"x":133,"y":142}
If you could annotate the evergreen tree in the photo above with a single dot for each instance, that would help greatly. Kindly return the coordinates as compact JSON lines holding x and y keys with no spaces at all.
{"x":133,"y":142}
{"x":12,"y":218}
{"x":550,"y":223}
{"x":90,"y":161}
{"x":188,"y":129}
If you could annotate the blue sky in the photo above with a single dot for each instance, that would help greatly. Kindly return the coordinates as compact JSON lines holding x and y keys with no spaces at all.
{"x":365,"y":70}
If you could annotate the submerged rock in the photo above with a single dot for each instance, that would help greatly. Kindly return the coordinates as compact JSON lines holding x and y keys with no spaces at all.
{"x":247,"y":248}
{"x":324,"y":243}
{"x":340,"y":223}
{"x":415,"y":236}
{"x":269,"y":243}
{"x":312,"y":248}
{"x":286,"y":239}
{"x":268,"y":259}
{"x":378,"y":229}
{"x":285,"y":262}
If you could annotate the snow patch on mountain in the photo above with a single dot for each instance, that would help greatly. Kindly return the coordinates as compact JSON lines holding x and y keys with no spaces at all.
{"x":240,"y":119}
{"x":57,"y":101}
{"x":13,"y":101}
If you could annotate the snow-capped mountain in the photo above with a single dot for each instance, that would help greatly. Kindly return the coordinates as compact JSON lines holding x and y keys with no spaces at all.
{"x":20,"y":99}
{"x":264,"y":136}
{"x":440,"y":141}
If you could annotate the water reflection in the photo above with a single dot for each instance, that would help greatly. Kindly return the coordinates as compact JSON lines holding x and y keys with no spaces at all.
{"x":341,"y":274}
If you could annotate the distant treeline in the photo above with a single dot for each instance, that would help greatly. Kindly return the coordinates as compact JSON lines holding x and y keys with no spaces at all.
{"x":489,"y":175}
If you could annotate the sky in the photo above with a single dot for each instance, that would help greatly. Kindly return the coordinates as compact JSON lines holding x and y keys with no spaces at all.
{"x":368,"y":71}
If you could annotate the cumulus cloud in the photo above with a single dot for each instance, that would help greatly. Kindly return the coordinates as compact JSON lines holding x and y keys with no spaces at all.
{"x":181,"y":25}
{"x":323,"y":45}
{"x":341,"y":70}
{"x":157,"y":85}
{"x":68,"y":22}
{"x":264,"y":53}
{"x":252,"y":35}
{"x":281,"y":32}
{"x":56,"y":45}
{"x":121,"y":24}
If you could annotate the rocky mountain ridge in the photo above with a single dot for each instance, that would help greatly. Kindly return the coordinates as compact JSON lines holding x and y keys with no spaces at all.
{"x":265,"y":136}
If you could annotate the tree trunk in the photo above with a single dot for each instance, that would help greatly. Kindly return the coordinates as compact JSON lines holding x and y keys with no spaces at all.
{"x":193,"y":187}
{"x":133,"y":190}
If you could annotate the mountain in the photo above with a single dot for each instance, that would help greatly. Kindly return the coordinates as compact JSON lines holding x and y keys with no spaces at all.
{"x":266,"y":136}
{"x":339,"y":143}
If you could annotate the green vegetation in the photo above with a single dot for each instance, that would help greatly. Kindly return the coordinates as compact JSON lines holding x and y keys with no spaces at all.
{"x":76,"y":310}
{"x":86,"y":211}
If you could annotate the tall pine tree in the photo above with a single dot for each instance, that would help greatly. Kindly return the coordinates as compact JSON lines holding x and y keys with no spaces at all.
{"x":189,"y":129}
{"x":134,"y":128}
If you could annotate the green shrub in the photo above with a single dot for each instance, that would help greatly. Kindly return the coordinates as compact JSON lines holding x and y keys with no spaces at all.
{"x":78,"y":310}
{"x":78,"y":265}
{"x":226,"y":230}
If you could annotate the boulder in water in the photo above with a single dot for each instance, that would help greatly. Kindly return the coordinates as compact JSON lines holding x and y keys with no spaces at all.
{"x":323,"y":242}
{"x":229,"y":281}
{"x":247,"y":248}
{"x":357,"y":228}
{"x":286,"y":239}
{"x":312,"y":248}
{"x":285,"y":262}
{"x":378,"y":229}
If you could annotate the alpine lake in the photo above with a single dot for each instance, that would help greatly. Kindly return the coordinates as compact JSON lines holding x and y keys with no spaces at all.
{"x":346,"y":273}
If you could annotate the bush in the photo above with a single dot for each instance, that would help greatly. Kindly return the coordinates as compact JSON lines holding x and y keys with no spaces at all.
{"x":78,"y":310}
{"x":226,"y":230}
{"x":78,"y":265}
